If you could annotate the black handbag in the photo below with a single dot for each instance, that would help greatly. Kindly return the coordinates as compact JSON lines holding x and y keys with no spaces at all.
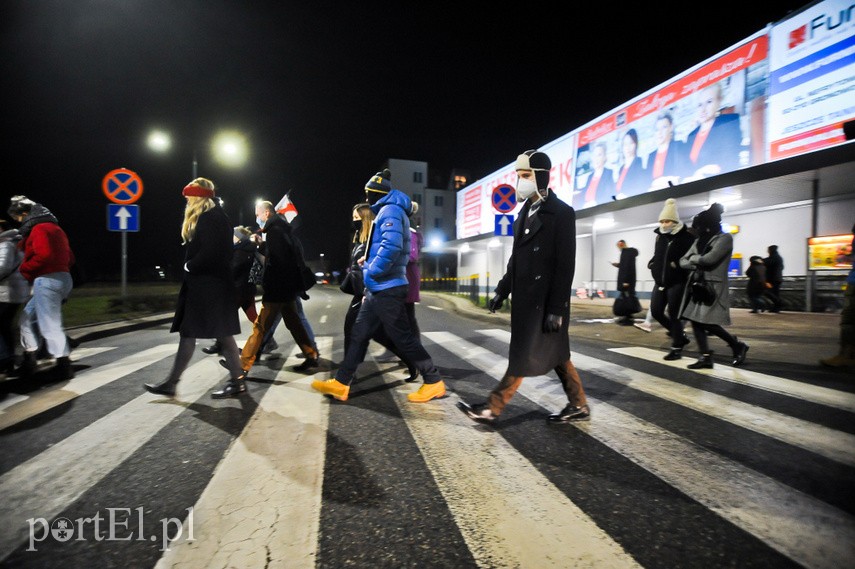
{"x":626,"y":304}
{"x":701,"y":291}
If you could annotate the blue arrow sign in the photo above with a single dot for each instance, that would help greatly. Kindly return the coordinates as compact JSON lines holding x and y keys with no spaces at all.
{"x":123,"y":217}
{"x":504,"y":225}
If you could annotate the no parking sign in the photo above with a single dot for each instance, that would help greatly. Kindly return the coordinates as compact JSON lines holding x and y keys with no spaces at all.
{"x":122,"y":186}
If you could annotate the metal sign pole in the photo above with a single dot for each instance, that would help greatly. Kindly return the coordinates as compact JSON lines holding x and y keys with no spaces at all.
{"x":124,"y":264}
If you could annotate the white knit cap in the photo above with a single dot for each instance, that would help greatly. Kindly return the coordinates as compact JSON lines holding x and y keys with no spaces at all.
{"x":669,"y":211}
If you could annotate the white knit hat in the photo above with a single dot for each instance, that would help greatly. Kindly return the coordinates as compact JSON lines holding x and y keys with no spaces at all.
{"x":669,"y":211}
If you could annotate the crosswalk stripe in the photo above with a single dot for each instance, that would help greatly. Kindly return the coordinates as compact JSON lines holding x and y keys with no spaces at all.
{"x":780,"y":385}
{"x":262,"y":506}
{"x":836,"y":445}
{"x":540,"y":527}
{"x":23,"y":407}
{"x":801,"y":527}
{"x":79,"y":354}
{"x":85,"y":457}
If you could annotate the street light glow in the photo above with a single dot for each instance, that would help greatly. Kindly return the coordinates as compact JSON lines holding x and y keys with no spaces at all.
{"x":230,"y":148}
{"x":159,"y":141}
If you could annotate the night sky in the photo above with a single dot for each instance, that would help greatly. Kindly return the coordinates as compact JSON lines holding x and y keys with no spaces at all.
{"x":324,"y":92}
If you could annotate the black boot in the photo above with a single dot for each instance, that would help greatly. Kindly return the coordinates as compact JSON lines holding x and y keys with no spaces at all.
{"x":739,"y":353}
{"x":28,"y":365}
{"x":704,"y":362}
{"x":214,"y":348}
{"x":674,"y":354}
{"x":63,"y":370}
{"x":165,"y":388}
{"x":232,"y":388}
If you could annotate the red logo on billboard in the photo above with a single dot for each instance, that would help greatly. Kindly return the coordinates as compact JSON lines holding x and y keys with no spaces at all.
{"x":798,"y":36}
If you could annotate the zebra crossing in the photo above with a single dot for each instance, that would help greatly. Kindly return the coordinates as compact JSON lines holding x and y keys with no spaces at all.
{"x":297,"y":480}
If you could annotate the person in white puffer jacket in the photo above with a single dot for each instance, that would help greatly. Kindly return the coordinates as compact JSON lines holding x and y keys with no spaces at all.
{"x":14,"y":293}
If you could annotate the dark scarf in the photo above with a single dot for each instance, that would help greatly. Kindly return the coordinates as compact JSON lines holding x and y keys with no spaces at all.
{"x":38,"y":214}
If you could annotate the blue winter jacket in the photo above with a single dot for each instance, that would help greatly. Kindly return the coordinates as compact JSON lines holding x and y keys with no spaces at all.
{"x":389,"y":246}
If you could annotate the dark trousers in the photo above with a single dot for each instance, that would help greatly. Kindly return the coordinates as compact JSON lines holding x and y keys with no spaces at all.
{"x":385,"y":309}
{"x":701,"y":332}
{"x":669,"y":298}
{"x":774,"y":294}
{"x":570,"y":381}
{"x":380,"y":336}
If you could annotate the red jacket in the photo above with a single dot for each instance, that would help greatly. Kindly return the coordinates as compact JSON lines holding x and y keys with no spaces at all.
{"x":46,"y":250}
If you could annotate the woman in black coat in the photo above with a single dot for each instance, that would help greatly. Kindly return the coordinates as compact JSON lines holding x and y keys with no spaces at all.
{"x":673,"y":240}
{"x":207,"y":306}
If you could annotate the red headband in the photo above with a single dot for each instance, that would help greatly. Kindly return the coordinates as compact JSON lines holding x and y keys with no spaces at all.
{"x":197,"y":191}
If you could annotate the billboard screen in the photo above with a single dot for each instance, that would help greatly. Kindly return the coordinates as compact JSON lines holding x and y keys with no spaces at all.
{"x":784,"y":91}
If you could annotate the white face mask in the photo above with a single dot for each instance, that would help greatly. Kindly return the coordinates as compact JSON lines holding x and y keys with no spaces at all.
{"x":525,"y":189}
{"x":260,"y":222}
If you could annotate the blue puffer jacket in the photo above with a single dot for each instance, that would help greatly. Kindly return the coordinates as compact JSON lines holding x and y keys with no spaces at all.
{"x":389,"y":247}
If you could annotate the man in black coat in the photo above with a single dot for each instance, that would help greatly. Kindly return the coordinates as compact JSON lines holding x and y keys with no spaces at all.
{"x":540,"y":277}
{"x":281,"y":285}
{"x":626,"y":274}
{"x":774,"y":276}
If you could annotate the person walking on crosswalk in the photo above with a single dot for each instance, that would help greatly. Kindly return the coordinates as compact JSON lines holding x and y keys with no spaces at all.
{"x":709,"y":258}
{"x":540,"y":278}
{"x":207,"y":305}
{"x":385,"y":280}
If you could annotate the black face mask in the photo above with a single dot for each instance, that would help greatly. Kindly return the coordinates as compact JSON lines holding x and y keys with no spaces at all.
{"x":357,"y":224}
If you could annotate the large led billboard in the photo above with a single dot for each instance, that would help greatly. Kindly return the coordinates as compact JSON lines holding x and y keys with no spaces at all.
{"x":784,"y":91}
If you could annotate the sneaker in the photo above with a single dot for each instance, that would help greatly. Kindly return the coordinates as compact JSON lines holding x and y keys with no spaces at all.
{"x":643,"y":326}
{"x":333,"y":388}
{"x":479,"y":413}
{"x":270,"y":347}
{"x":427,"y":392}
{"x":571,"y":414}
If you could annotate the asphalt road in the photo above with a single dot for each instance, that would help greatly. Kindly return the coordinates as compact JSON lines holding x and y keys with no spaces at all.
{"x":748,"y":467}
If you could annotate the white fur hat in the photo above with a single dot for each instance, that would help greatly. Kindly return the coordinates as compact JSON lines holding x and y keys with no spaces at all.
{"x":669,"y":211}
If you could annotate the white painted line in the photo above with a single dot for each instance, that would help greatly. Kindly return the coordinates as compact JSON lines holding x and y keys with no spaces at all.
{"x":47,"y":483}
{"x":537,"y":526}
{"x":262,"y":506}
{"x":797,"y":389}
{"x":16,"y":410}
{"x":801,"y":527}
{"x":836,"y":445}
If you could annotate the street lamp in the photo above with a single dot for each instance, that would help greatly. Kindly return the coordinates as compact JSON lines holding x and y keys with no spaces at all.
{"x":229,"y":148}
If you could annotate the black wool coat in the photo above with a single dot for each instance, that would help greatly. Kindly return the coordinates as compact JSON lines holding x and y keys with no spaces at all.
{"x":207,"y":307}
{"x":539,"y":277}
{"x":282,"y":251}
{"x":665,"y":264}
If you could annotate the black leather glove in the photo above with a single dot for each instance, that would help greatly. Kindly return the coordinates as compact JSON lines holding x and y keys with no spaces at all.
{"x":496,"y":303}
{"x":304,"y":295}
{"x":552,"y":323}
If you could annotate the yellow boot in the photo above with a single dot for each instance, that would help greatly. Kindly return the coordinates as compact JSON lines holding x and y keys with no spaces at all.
{"x":427,"y":392}
{"x":332,"y":387}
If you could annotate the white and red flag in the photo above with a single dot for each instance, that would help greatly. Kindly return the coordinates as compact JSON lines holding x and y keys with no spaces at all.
{"x":286,"y":208}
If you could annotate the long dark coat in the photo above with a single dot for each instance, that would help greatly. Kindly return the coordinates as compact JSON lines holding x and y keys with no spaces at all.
{"x":540,"y":278}
{"x":282,"y":251}
{"x":714,"y":262}
{"x":207,"y":307}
